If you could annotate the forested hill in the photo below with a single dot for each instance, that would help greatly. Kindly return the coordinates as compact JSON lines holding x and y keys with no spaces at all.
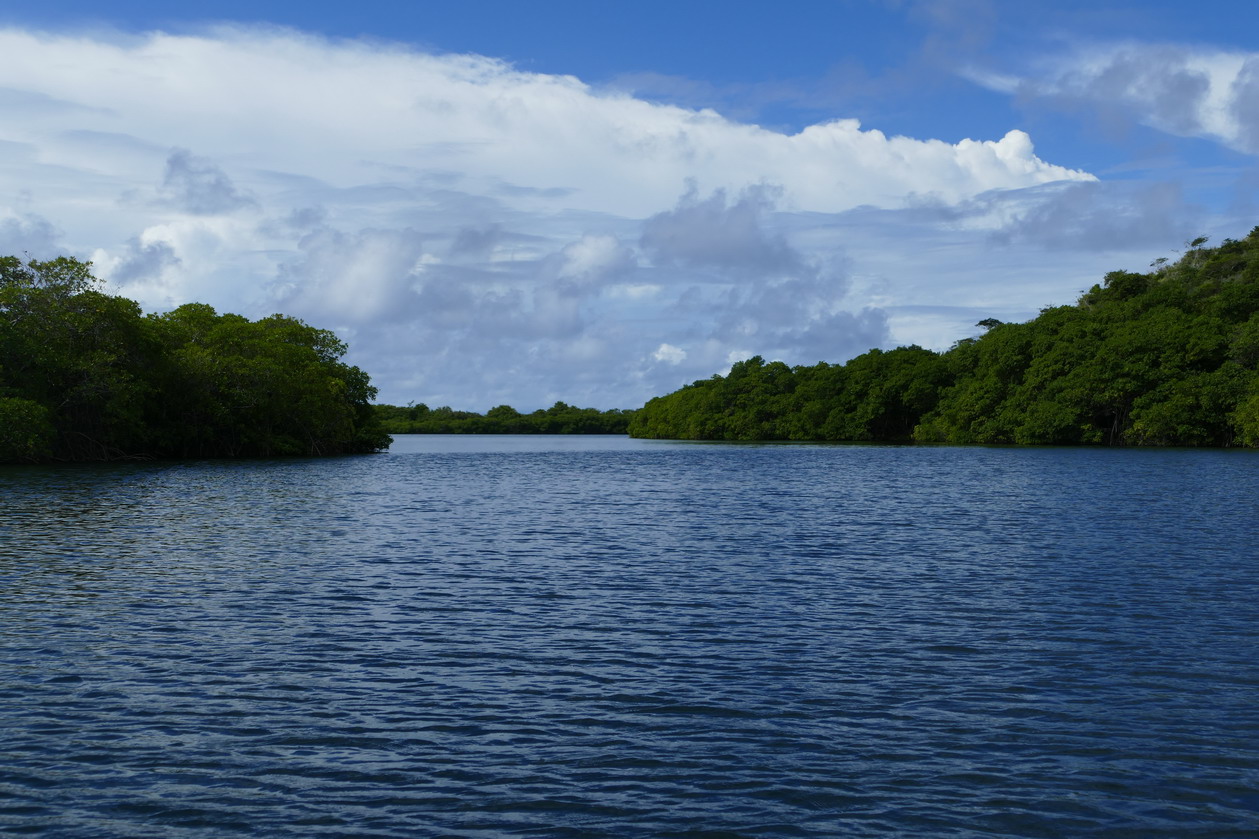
{"x":86,"y":376}
{"x":1165,"y":358}
{"x":560,"y":418}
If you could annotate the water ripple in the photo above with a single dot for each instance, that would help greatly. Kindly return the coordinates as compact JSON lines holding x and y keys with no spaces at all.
{"x":619,"y":638}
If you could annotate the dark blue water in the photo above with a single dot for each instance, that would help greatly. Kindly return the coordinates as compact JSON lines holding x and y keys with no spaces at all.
{"x":499,"y":637}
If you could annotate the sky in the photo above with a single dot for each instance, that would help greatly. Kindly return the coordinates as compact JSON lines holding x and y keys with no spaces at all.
{"x":519,"y":203}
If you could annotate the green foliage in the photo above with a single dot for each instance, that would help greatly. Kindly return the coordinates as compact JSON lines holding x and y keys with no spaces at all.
{"x":876,"y":396}
{"x":502,"y":419}
{"x":25,"y":432}
{"x":1165,"y":358}
{"x":86,"y":376}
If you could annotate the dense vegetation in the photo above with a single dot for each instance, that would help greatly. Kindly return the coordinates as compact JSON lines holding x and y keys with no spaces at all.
{"x":1165,"y":358}
{"x":558,"y":419}
{"x":86,"y":376}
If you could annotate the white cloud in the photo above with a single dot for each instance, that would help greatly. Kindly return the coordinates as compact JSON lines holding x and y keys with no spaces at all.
{"x":669,"y":354}
{"x":478,"y":233}
{"x":349,"y":280}
{"x":347,"y":112}
{"x":198,"y":186}
{"x":1185,"y":91}
{"x":26,"y":233}
{"x":718,"y":235}
{"x":595,"y":259}
{"x":146,"y":259}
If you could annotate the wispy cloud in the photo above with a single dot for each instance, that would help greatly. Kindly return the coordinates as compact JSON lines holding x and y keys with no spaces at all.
{"x":1181,"y":90}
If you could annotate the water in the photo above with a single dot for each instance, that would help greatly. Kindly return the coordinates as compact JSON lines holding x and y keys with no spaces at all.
{"x":601,"y":637}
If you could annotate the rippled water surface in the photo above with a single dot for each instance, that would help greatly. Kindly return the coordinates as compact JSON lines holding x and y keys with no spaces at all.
{"x":599,"y":637}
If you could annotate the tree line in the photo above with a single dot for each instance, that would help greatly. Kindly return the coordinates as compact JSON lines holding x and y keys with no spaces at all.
{"x":560,"y":418}
{"x":1169,"y":357}
{"x":85,"y":375}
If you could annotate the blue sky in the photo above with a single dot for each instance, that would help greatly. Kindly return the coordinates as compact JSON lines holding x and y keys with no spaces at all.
{"x":508,"y":202}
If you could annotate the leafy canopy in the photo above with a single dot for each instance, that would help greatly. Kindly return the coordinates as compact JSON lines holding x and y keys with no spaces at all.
{"x":87,"y":376}
{"x":1167,"y":358}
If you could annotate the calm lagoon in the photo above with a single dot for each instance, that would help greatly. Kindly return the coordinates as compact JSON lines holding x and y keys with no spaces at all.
{"x":605,"y":637}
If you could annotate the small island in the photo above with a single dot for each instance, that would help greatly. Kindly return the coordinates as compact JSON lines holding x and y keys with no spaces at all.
{"x":560,"y":418}
{"x":1164,"y":358}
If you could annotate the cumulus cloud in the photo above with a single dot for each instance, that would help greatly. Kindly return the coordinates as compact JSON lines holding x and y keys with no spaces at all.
{"x":715,"y":233}
{"x":143,"y":262}
{"x":751,"y":287}
{"x":478,"y":233}
{"x":594,"y":260}
{"x":669,"y":354}
{"x":1244,"y":107}
{"x":266,"y":96}
{"x":800,"y":320}
{"x":197,"y":185}
{"x":1096,"y":217}
{"x":352,"y":279}
{"x":26,"y":233}
{"x":477,"y":242}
